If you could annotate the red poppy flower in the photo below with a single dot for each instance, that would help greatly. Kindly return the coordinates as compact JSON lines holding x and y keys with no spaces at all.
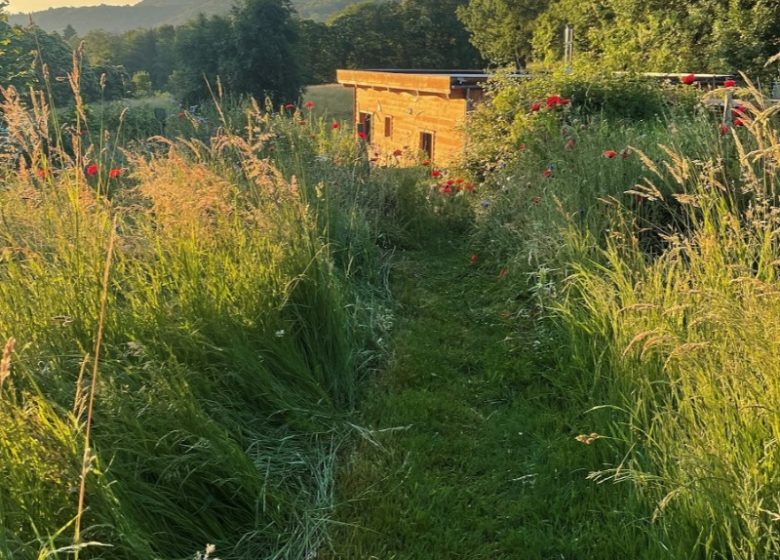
{"x":571,"y":143}
{"x":362,"y":135}
{"x":610,"y":154}
{"x":114,"y":173}
{"x":474,"y":259}
{"x":689,"y":79}
{"x":724,"y":129}
{"x":41,"y":172}
{"x":553,"y":101}
{"x":309,"y":105}
{"x":290,"y":106}
{"x":503,"y":273}
{"x":738,"y":111}
{"x":547,"y":173}
{"x":397,"y":153}
{"x":92,"y":169}
{"x":450,"y":182}
{"x":335,"y":125}
{"x":739,"y":122}
{"x":446,"y":189}
{"x":435,"y":173}
{"x":730,"y":83}
{"x":536,"y":106}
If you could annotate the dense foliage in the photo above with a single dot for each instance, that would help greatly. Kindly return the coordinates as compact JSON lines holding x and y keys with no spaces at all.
{"x":192,"y":320}
{"x":722,"y":36}
{"x":33,"y":59}
{"x":642,"y":236}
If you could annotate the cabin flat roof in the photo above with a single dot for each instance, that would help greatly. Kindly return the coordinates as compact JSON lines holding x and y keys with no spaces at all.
{"x":443,"y":81}
{"x":421,"y":80}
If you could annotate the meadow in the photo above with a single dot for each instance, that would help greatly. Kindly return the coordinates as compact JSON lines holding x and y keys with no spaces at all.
{"x":242,"y":339}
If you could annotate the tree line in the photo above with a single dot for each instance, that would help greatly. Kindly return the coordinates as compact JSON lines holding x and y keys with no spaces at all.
{"x":716,"y":36}
{"x":261,"y":48}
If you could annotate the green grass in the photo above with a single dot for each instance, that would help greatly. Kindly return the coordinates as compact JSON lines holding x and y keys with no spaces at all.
{"x":219,"y":404}
{"x":333,"y":101}
{"x":470,"y":451}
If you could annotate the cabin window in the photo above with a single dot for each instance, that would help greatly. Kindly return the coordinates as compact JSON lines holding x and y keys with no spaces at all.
{"x":426,"y":144}
{"x":388,"y":127}
{"x":364,"y":125}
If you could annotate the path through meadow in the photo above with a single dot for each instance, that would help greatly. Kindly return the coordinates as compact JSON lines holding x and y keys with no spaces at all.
{"x":467,"y":457}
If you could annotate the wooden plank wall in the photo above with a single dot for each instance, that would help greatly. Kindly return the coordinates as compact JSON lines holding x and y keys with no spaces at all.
{"x":413,"y":113}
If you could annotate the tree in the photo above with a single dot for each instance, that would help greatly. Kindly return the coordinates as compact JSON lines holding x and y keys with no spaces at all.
{"x":142,"y":83}
{"x":264,"y":64}
{"x":434,"y":37}
{"x":202,"y":48}
{"x":502,"y":29}
{"x":69,"y":33}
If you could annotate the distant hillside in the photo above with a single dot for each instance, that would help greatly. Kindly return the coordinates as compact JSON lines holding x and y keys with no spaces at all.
{"x":153,"y":13}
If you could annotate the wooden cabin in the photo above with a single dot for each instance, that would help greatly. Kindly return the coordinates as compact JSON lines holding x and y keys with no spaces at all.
{"x":417,"y":113}
{"x":421,"y":113}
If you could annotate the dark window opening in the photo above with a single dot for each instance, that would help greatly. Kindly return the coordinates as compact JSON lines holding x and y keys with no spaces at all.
{"x":388,"y":127}
{"x":426,"y":144}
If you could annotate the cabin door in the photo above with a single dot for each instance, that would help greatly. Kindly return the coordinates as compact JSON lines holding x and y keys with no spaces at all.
{"x":364,"y":125}
{"x":426,"y":144}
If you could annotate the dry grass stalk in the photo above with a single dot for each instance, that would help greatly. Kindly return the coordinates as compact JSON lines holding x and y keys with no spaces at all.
{"x":5,"y":363}
{"x":87,"y":456}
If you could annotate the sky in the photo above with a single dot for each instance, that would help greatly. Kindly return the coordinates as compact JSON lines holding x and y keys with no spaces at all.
{"x":35,"y":5}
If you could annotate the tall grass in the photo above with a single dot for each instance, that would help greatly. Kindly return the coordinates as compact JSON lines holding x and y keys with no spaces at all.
{"x":659,"y":276}
{"x":233,"y":285}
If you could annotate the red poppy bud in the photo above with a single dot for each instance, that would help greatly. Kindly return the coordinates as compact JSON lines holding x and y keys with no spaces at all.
{"x":689,"y":79}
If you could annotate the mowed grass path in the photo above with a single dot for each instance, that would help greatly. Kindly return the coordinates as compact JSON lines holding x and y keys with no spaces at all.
{"x":469,"y":454}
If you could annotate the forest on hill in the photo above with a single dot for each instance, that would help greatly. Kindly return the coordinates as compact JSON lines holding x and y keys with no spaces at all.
{"x":155,"y":13}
